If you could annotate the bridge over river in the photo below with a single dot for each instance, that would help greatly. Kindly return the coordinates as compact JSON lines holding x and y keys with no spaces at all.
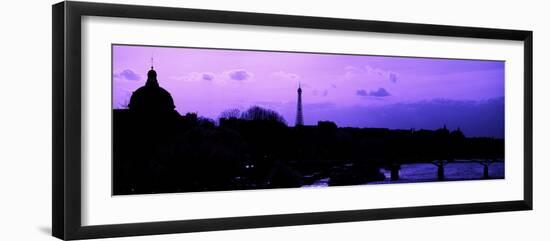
{"x":430,"y":171}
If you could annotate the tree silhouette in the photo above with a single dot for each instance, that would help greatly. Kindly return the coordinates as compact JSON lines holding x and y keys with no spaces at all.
{"x":257,"y":113}
{"x":206,"y":122}
{"x":230,"y":114}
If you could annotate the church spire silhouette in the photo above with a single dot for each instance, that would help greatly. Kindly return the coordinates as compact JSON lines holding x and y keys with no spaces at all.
{"x":299,"y":114}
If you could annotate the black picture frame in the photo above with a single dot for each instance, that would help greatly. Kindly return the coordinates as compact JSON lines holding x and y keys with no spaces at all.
{"x":66,"y":47}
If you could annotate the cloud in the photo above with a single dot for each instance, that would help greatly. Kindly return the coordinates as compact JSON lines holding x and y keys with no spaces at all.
{"x":224,"y":77}
{"x":393,"y":77}
{"x":127,"y":74}
{"x":475,"y":118}
{"x":382,"y":73}
{"x":351,"y":72}
{"x":361,"y":92}
{"x":208,"y":76}
{"x":122,"y":95}
{"x":282,"y":75}
{"x":319,"y":92}
{"x":381,"y":92}
{"x":481,"y":118}
{"x":195,"y":77}
{"x":369,"y":73}
{"x":239,"y":74}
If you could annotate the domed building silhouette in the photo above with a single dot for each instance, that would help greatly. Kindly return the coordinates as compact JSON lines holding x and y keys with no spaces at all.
{"x":142,"y":134}
{"x":151,"y":98}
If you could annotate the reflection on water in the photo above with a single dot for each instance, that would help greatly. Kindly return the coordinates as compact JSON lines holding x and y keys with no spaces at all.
{"x":425,"y":172}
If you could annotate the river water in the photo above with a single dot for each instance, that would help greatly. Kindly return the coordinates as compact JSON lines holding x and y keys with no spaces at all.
{"x":426,"y":172}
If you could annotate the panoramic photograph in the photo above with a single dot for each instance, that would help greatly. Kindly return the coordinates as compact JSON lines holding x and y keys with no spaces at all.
{"x":201,"y":119}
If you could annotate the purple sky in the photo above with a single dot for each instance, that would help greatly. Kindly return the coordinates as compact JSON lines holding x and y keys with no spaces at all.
{"x":357,"y":91}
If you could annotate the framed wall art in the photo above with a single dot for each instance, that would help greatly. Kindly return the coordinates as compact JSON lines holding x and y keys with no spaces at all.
{"x":170,"y":120}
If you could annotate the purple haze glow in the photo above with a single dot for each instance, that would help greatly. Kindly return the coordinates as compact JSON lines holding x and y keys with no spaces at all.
{"x":356,"y":91}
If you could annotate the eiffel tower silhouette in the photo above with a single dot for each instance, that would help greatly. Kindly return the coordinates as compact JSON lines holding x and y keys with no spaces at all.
{"x":299,"y":114}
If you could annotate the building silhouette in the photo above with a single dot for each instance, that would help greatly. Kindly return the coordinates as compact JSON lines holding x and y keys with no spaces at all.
{"x":299,"y":114}
{"x":141,"y":135}
{"x":151,"y":98}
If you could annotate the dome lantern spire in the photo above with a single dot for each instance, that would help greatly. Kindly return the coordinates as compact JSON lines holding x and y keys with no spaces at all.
{"x":152,"y":76}
{"x":151,"y":98}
